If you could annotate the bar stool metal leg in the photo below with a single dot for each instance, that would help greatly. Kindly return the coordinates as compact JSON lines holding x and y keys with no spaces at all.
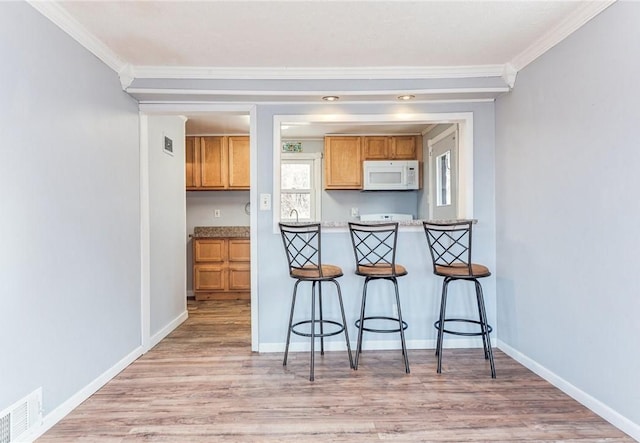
{"x":321,"y":319}
{"x":443,"y":308}
{"x":401,"y":327}
{"x":293,"y":305}
{"x":361,"y":322}
{"x":313,"y":328}
{"x":344,"y":322}
{"x":485,"y":328}
{"x":482,"y":322}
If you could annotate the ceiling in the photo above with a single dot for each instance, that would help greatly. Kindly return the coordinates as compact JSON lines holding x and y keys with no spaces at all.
{"x":320,"y":34}
{"x":316,"y":39}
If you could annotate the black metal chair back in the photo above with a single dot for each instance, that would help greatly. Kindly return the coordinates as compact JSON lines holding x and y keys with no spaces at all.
{"x":302,"y":246}
{"x":374,"y":245}
{"x":450,"y":244}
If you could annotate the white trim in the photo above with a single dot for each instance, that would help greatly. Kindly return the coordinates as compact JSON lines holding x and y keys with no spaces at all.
{"x":73,"y":402}
{"x":293,"y":73}
{"x":570,"y":24}
{"x":145,"y":237}
{"x":372,"y":345}
{"x":315,"y":93}
{"x":253,"y":227}
{"x":615,"y":418}
{"x":173,"y":324}
{"x":65,"y":21}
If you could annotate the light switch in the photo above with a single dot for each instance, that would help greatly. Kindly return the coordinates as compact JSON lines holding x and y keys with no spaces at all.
{"x":265,"y":202}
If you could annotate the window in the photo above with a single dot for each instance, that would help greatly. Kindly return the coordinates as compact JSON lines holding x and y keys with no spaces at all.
{"x":300,"y":187}
{"x":443,"y":179}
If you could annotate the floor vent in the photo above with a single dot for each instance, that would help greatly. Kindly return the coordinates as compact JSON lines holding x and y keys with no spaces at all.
{"x":18,"y":418}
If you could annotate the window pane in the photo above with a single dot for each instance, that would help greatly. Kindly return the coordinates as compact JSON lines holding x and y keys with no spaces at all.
{"x":299,"y":202}
{"x":443,"y":179}
{"x":295,"y":176}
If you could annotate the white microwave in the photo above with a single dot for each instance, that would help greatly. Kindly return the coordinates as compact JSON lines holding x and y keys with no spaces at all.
{"x":391,"y":175}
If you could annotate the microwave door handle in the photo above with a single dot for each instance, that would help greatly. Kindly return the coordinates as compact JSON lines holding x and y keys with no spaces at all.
{"x":404,"y":175}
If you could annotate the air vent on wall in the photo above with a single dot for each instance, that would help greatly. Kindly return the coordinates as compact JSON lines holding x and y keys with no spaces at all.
{"x":20,"y":417}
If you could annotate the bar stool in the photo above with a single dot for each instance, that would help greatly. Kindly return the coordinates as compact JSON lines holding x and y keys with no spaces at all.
{"x":302,"y":246}
{"x":450,"y":247}
{"x":374,"y":246}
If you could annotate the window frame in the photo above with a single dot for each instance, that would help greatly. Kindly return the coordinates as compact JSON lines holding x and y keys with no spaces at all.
{"x":315,"y":190}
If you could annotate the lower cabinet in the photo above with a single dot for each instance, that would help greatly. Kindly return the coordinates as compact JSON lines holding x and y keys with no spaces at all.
{"x":221,"y":268}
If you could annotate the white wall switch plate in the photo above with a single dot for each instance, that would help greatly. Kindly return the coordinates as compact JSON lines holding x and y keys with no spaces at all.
{"x":216,"y":213}
{"x":265,"y":202}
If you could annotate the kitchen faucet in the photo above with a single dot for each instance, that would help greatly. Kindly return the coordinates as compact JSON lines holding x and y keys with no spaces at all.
{"x":291,"y":213}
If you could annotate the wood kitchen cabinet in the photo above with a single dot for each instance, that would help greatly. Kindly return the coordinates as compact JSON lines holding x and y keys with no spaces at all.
{"x":217,"y":163}
{"x":238,"y":153}
{"x":221,"y":268}
{"x":343,"y":162}
{"x":403,"y":147}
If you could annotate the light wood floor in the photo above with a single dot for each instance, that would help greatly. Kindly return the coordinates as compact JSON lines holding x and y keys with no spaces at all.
{"x":203,"y":384}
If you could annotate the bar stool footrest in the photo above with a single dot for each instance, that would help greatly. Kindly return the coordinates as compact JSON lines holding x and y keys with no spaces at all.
{"x":384,"y":331}
{"x":463,"y":320}
{"x":323,"y":322}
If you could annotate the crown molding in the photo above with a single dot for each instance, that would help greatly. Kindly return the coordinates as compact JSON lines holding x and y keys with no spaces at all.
{"x":339,"y":73}
{"x":59,"y":16}
{"x":570,"y":24}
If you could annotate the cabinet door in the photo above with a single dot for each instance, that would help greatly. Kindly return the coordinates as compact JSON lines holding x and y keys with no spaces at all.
{"x":343,"y":163}
{"x":209,"y":278}
{"x":239,"y":250}
{"x":376,"y":148}
{"x":239,"y":277}
{"x":213,"y":162}
{"x":238,"y":162}
{"x":405,"y":148}
{"x":192,"y":156}
{"x":209,"y":250}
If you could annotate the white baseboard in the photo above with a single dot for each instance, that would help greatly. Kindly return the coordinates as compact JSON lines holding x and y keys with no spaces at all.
{"x":65,"y":408}
{"x":73,"y":402}
{"x":371,"y":345}
{"x":158,"y":336}
{"x":616,"y":419}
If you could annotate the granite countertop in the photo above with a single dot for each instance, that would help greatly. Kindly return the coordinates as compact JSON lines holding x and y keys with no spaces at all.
{"x":344,"y":224}
{"x":220,"y":232}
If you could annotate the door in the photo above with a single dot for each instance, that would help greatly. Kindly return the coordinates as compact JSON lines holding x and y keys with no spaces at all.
{"x":443,"y":175}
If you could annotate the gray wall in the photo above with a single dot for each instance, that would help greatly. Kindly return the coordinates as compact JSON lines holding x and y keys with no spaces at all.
{"x":567,"y":214}
{"x":69,"y":229}
{"x":419,"y":290}
{"x":167,"y":226}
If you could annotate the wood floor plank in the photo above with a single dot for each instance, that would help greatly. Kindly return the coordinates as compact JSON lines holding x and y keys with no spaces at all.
{"x":203,"y":384}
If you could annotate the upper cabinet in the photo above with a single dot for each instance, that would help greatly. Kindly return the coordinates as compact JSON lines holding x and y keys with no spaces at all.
{"x":238,"y":148}
{"x":217,"y":163}
{"x":404,"y":147}
{"x":343,"y":156}
{"x":343,"y":162}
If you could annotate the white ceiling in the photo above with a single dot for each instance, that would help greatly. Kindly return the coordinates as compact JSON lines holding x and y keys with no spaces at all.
{"x":316,"y":39}
{"x":320,"y":34}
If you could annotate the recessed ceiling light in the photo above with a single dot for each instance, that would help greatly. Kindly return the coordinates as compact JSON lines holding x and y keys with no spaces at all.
{"x":406,"y":97}
{"x":330,"y":98}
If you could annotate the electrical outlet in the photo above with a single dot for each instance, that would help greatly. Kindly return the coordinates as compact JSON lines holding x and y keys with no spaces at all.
{"x":216,"y":213}
{"x":355,"y":212}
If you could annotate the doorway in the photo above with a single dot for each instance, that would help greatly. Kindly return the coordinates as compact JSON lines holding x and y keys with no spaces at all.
{"x":444,"y":175}
{"x":226,"y":206}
